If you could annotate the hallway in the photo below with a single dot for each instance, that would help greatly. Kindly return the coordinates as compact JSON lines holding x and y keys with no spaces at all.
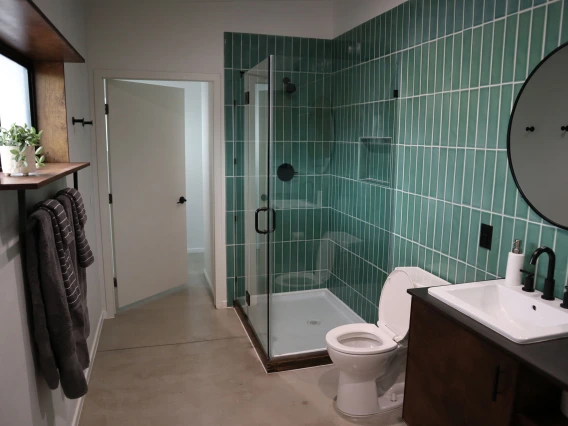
{"x":176,"y":360}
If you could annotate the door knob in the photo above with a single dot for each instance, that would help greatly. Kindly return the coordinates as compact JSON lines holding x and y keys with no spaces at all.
{"x":182,"y":200}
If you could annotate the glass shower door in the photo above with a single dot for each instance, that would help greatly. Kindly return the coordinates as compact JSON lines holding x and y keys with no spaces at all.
{"x":258,"y":214}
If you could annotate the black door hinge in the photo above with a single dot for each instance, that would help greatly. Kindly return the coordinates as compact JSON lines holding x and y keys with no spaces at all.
{"x":106,"y":109}
{"x":110,"y":198}
{"x":247,"y":297}
{"x":247,"y":98}
{"x":395,"y":93}
{"x":235,"y":218}
{"x":234,"y":161}
{"x":115,"y":283}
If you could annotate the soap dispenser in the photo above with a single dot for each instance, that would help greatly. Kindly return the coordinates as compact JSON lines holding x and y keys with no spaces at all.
{"x":513,"y":276}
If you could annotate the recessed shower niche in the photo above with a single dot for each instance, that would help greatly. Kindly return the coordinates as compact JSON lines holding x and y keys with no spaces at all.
{"x":376,"y":161}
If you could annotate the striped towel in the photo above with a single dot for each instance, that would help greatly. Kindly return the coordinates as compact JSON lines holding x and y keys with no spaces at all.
{"x":84,"y":254}
{"x":63,"y":237}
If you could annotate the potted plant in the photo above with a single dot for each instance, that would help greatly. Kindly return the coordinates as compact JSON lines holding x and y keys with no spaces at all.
{"x":20,"y":151}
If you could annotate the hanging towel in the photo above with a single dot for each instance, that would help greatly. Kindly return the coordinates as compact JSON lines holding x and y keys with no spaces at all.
{"x":79,"y":219}
{"x":63,"y":237}
{"x":80,"y":316}
{"x":54,"y":330}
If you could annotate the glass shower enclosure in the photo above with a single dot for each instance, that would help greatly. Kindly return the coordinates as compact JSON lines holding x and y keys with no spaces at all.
{"x":298,"y":251}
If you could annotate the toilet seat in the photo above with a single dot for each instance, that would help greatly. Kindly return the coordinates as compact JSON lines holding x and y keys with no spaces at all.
{"x":360,"y":339}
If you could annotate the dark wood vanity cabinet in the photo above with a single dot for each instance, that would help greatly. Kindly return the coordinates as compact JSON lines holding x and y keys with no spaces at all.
{"x":453,"y":377}
{"x":456,"y":378}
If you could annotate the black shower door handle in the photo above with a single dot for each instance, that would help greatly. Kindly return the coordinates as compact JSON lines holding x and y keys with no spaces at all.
{"x":265,"y":209}
{"x":262,"y":209}
{"x":273,"y":221}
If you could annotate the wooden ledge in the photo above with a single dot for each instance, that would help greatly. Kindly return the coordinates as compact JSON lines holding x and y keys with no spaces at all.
{"x":46,"y":175}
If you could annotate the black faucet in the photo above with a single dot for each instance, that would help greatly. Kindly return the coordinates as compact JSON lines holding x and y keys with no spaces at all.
{"x":548,"y":292}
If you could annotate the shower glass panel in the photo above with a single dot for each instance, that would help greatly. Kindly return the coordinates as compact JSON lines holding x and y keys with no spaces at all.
{"x":318,"y":220}
{"x":258,"y":222}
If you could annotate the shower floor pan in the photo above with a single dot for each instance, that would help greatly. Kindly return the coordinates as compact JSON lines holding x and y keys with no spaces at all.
{"x":299,"y":322}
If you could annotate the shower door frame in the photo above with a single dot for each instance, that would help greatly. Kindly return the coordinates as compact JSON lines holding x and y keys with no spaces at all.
{"x":284,"y":362}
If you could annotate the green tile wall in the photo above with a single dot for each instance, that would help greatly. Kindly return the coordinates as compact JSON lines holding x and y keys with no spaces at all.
{"x":458,"y":66}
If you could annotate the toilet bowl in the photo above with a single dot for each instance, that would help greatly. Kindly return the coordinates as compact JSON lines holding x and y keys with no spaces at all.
{"x":371,"y":359}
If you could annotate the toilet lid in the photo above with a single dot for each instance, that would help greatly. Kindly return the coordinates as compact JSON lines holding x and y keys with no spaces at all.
{"x":394,"y":304}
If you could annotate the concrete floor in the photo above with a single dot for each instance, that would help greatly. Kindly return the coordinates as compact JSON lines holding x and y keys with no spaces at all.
{"x":176,"y":360}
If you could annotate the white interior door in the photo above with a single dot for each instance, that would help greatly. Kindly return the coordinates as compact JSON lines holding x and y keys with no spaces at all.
{"x":146,"y":132}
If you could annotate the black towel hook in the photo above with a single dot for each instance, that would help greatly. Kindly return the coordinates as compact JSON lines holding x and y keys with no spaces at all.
{"x":82,"y":121}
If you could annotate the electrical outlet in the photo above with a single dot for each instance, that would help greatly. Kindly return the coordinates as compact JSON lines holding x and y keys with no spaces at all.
{"x":485,"y":236}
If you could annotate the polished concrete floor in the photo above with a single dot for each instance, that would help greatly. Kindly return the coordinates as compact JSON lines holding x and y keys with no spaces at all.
{"x":176,"y":360}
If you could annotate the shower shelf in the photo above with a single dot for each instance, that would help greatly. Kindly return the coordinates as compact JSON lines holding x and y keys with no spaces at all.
{"x":376,"y":161}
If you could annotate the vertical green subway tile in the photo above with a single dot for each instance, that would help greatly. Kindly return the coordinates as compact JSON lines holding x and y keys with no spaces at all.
{"x":457,"y":55}
{"x":425,"y":20}
{"x":537,"y":34}
{"x":486,"y":54}
{"x":505,"y":112}
{"x":493,"y":117}
{"x":237,"y":46}
{"x":554,"y":15}
{"x":472,"y":118}
{"x":448,"y":62}
{"x":450,"y":16}
{"x":497,"y":56}
{"x":468,"y":11}
{"x":482,"y":118}
{"x":501,"y":168}
{"x":509,"y":48}
{"x":441,"y":19}
{"x":489,"y":10}
{"x":500,"y":8}
{"x":478,"y":175}
{"x":228,"y":50}
{"x":488,"y":180}
{"x":478,"y":11}
{"x":522,"y":46}
{"x":476,"y":47}
{"x":525,"y":4}
{"x":459,"y":14}
{"x":245,"y":52}
{"x":466,"y":58}
{"x":512,"y":6}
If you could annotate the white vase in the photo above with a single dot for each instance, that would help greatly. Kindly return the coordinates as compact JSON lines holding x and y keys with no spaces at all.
{"x":11,"y":167}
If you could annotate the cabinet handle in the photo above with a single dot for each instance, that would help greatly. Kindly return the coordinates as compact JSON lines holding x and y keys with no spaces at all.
{"x":496,"y":383}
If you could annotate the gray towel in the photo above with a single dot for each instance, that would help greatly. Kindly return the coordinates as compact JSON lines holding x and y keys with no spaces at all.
{"x":53,"y":328}
{"x":79,"y":219}
{"x":63,"y":237}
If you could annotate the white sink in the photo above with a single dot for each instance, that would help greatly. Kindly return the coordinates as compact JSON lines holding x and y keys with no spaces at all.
{"x":519,"y":316}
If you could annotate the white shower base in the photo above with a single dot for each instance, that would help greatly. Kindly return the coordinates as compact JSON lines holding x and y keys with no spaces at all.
{"x":301,"y":319}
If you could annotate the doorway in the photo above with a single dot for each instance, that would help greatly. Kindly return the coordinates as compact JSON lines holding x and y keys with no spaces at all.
{"x":159,"y":156}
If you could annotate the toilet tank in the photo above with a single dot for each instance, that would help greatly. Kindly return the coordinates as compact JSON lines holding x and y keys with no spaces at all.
{"x":422,"y":278}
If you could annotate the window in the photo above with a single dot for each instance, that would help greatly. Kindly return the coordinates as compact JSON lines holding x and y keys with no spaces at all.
{"x":15,"y":105}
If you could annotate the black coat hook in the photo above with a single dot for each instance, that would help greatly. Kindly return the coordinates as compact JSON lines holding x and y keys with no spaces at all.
{"x":82,"y":121}
{"x":564,"y":128}
{"x":530,"y":129}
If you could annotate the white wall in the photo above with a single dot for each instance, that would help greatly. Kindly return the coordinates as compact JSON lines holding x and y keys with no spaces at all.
{"x":187,"y":36}
{"x":208,"y":216}
{"x":25,"y":399}
{"x":347,"y":14}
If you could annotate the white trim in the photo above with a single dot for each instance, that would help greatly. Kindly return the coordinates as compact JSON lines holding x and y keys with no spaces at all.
{"x":218,"y":173}
{"x":195,"y":250}
{"x":92,"y":353}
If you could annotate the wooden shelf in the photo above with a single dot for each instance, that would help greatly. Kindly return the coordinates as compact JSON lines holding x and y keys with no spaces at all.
{"x":25,"y":29}
{"x":48,"y":174}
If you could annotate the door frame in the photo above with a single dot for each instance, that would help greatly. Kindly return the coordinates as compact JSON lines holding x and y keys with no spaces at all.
{"x":217,"y":177}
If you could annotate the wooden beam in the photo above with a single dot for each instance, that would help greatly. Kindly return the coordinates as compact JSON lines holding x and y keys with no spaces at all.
{"x":25,"y":29}
{"x":52,"y":110}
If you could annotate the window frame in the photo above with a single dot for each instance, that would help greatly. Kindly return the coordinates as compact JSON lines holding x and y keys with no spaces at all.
{"x":29,"y":66}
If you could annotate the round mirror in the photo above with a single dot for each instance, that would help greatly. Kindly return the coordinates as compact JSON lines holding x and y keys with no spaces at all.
{"x":537,"y":144}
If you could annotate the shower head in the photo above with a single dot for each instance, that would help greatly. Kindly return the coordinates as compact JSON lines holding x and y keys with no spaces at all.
{"x":288,"y":85}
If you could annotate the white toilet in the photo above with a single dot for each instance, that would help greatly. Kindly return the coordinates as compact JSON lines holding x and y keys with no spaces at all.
{"x":372,"y":360}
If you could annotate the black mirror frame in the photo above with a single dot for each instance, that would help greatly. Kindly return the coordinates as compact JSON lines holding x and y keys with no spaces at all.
{"x":510,"y":162}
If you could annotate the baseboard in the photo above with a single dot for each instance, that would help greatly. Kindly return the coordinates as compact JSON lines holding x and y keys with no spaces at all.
{"x":93,"y":353}
{"x":207,"y":278}
{"x":195,"y":250}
